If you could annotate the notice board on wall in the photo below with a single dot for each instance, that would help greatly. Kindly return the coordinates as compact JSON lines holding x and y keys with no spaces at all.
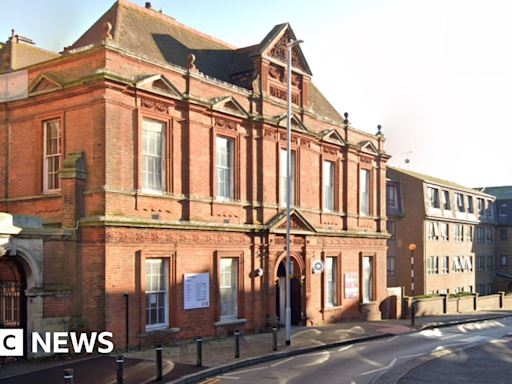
{"x":196,"y":290}
{"x":351,"y":286}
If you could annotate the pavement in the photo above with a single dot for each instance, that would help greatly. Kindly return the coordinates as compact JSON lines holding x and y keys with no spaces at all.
{"x":179,"y":361}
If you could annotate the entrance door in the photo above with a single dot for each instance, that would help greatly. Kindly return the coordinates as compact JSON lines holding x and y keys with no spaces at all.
{"x":295,"y":300}
{"x":12,"y":294}
{"x":295,"y":297}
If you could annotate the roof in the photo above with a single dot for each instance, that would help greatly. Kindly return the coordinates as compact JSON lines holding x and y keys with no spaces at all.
{"x":24,"y":54}
{"x":435,"y":180}
{"x":501,"y":193}
{"x":321,"y":106}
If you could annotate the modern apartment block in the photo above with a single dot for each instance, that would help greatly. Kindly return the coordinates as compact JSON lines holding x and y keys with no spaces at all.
{"x":452,"y":227}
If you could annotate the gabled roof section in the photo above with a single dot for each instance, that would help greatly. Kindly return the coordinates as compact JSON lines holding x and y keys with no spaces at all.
{"x":44,"y":83}
{"x":297,"y":125}
{"x":501,"y":193}
{"x":159,"y":84}
{"x":298,"y":223}
{"x":332,"y":136}
{"x":228,"y":104}
{"x":368,"y":147}
{"x":160,"y":38}
{"x":321,"y":106}
{"x":273,"y":46}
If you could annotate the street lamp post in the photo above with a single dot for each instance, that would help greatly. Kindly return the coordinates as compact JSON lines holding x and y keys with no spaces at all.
{"x":412,"y":247}
{"x":288,"y":322}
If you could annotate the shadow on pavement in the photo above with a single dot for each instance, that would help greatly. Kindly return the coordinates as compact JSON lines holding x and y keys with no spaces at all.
{"x":103,"y":370}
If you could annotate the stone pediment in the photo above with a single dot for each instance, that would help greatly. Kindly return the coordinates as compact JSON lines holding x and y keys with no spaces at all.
{"x":368,"y":147}
{"x":44,"y":83}
{"x":298,"y":223}
{"x":228,"y":104}
{"x":332,"y":136}
{"x":159,"y":84}
{"x":297,"y":125}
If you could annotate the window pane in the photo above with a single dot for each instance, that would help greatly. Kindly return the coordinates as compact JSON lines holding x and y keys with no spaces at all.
{"x":152,"y":154}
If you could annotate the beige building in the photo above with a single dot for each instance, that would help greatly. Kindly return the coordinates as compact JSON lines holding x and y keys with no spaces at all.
{"x":452,"y":227}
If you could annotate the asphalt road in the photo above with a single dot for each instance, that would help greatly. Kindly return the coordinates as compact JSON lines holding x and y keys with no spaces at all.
{"x":384,"y":358}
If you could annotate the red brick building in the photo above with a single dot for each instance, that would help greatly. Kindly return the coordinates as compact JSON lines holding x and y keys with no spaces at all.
{"x":154,"y":154}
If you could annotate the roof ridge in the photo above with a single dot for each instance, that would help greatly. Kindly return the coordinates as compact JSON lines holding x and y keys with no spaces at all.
{"x":170,"y":20}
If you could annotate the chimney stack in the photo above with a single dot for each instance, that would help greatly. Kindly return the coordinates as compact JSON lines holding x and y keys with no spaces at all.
{"x":148,"y":5}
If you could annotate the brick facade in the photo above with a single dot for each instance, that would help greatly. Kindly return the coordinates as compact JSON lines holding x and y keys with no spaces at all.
{"x":101,"y":94}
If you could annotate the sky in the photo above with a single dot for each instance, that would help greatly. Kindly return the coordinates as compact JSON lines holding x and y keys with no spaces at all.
{"x":434,"y":74}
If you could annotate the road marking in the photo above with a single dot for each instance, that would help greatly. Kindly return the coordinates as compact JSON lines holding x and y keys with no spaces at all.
{"x":314,"y":354}
{"x":282,"y":362}
{"x":474,"y":339}
{"x":393,"y":338}
{"x":448,"y":337}
{"x":345,"y":348}
{"x":247,"y":370}
{"x":406,"y":357}
{"x":227,"y":377}
{"x":380,"y":369}
{"x":210,"y":381}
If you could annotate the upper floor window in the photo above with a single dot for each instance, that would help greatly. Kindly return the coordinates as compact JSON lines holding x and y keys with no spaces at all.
{"x":503,"y":234}
{"x":444,"y":232}
{"x":446,"y":200}
{"x":365,"y":192}
{"x":480,"y":263}
{"x":284,"y":184}
{"x":503,"y":260}
{"x":328,"y":186}
{"x":224,"y":165}
{"x":458,"y":232}
{"x":458,"y":264}
{"x":153,"y":155}
{"x":52,"y":155}
{"x":391,"y":194}
{"x":391,"y":228}
{"x":445,"y":265}
{"x":489,"y":263}
{"x":488,"y":208}
{"x":391,"y":266}
{"x":433,"y":197}
{"x":480,"y":203}
{"x":489,"y":235}
{"x":469,"y":233}
{"x":503,"y":209}
{"x":469,"y":264}
{"x":432,"y":231}
{"x":432,"y":265}
{"x":479,"y":235}
{"x":470,"y":204}
{"x":459,"y":200}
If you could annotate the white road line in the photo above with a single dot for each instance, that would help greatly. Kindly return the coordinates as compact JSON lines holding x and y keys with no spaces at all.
{"x":474,"y":339}
{"x":448,"y":337}
{"x":282,"y":362}
{"x":393,"y":338}
{"x":247,"y":370}
{"x":380,"y":369}
{"x":345,"y":348}
{"x":408,"y":356}
{"x":227,"y":377}
{"x":314,"y":354}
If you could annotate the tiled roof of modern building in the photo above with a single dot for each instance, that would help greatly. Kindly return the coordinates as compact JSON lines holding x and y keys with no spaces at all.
{"x":501,"y":193}
{"x":441,"y":182}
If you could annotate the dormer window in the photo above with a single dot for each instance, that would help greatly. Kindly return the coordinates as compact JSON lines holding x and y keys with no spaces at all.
{"x":470,"y":204}
{"x":446,"y":200}
{"x":433,"y":197}
{"x":459,"y":200}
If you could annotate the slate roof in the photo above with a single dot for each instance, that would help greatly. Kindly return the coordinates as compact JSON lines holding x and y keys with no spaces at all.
{"x":435,"y":180}
{"x":25,"y":54}
{"x":160,"y":38}
{"x":501,"y":193}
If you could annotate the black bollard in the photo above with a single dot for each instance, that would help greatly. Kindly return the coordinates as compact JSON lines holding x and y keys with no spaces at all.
{"x":199,"y":348}
{"x":159,"y":361}
{"x":68,"y":376}
{"x":120,"y":369}
{"x":237,"y":344}
{"x":274,"y":338}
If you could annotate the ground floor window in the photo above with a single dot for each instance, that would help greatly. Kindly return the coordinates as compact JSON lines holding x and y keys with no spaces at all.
{"x":489,"y":288}
{"x":330,"y":282}
{"x":157,"y":312}
{"x":367,"y":279}
{"x":228,"y":288}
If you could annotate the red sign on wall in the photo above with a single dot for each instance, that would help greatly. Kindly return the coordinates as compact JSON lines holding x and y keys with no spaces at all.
{"x":351,"y":286}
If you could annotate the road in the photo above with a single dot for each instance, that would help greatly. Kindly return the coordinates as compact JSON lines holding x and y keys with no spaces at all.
{"x":365,"y":362}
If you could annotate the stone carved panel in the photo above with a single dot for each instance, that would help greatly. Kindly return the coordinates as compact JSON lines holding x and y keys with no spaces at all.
{"x":223,"y":123}
{"x":280,"y":53}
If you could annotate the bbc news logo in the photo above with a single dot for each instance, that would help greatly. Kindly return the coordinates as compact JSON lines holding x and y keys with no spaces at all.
{"x":12,"y":341}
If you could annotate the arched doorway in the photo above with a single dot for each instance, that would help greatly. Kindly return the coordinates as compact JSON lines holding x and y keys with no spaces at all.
{"x":13,"y":304}
{"x":295,"y":293}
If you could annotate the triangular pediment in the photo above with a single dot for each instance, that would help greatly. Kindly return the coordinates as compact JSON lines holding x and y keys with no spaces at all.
{"x":159,"y":84}
{"x":44,"y":83}
{"x":274,"y":48}
{"x":228,"y":104}
{"x":297,"y":125}
{"x":333,"y":136}
{"x":368,"y":147}
{"x":298,"y":223}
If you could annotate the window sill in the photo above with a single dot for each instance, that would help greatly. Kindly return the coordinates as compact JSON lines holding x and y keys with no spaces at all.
{"x":153,"y":331}
{"x":335,"y":308}
{"x":229,"y":322}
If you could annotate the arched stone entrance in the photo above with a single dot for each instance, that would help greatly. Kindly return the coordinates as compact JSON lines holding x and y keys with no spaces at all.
{"x":295,"y":289}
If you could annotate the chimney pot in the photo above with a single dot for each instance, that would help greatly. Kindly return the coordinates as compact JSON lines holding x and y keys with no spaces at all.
{"x":148,"y":5}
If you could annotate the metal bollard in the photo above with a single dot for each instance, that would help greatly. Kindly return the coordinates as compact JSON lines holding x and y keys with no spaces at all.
{"x":237,"y":344}
{"x":199,"y":348}
{"x":68,"y":376}
{"x":159,"y":361}
{"x":274,"y":338}
{"x":120,"y":369}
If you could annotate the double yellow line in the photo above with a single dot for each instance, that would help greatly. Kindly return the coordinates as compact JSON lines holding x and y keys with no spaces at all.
{"x":210,"y":381}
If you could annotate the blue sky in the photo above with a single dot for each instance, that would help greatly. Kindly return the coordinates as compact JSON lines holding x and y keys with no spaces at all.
{"x":435,"y":74}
